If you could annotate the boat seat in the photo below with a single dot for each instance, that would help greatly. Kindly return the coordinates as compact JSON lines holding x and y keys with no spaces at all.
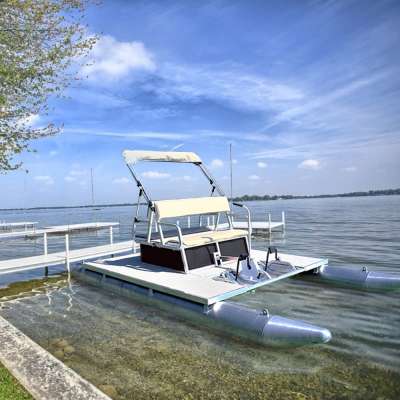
{"x":194,"y":206}
{"x":171,"y":233}
{"x":165,"y":209}
{"x":202,"y":238}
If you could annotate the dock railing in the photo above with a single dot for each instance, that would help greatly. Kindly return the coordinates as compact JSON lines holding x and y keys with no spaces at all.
{"x":64,"y":257}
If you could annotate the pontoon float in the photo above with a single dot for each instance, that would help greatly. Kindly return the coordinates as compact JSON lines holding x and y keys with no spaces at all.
{"x":201,"y":267}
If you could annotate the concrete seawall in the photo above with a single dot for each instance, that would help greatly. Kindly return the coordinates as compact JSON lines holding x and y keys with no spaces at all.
{"x":42,"y":375}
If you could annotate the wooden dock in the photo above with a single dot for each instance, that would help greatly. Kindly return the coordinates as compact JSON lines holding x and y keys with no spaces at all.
{"x":10,"y":226}
{"x":64,"y":257}
{"x":87,"y":226}
{"x":59,"y":229}
{"x":256,"y":226}
{"x":266,"y":226}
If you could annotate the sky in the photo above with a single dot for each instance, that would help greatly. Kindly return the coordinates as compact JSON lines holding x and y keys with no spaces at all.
{"x":307,"y":93}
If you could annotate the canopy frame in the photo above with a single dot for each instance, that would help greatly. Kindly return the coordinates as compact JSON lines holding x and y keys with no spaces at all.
{"x":149,"y":156}
{"x":135,"y":156}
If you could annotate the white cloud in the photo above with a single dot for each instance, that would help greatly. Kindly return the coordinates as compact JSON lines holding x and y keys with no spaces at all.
{"x":234,"y":161}
{"x":216,"y":163}
{"x":111,"y":60}
{"x":130,"y":135}
{"x":186,"y":178}
{"x":350,"y":169}
{"x":223,"y":83}
{"x":53,"y":153}
{"x":254,"y":177}
{"x":98,"y":98}
{"x":77,"y":172}
{"x":321,"y":102}
{"x":305,"y":147}
{"x":122,"y":180}
{"x":155,"y":175}
{"x":178,"y":146}
{"x":310,"y":164}
{"x":261,"y":164}
{"x":45,"y":179}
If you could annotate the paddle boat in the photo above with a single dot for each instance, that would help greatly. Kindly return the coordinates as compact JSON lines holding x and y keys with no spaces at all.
{"x":202,"y":268}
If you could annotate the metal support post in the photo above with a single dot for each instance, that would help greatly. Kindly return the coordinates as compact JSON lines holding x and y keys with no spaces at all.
{"x":111,"y":235}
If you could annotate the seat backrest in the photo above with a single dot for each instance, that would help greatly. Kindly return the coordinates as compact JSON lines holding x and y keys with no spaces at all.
{"x":194,"y":206}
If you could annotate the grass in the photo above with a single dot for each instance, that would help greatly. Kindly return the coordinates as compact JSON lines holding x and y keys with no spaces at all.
{"x":10,"y":388}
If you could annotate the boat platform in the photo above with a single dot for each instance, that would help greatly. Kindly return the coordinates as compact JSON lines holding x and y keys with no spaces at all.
{"x":202,"y":285}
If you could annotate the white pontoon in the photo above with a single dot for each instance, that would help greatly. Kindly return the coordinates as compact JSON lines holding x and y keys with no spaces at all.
{"x":202,"y":267}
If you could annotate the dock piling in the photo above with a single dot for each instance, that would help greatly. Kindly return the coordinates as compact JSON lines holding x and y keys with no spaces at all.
{"x":111,"y":235}
{"x":45,"y":243}
{"x":67,"y":251}
{"x":269,"y":224}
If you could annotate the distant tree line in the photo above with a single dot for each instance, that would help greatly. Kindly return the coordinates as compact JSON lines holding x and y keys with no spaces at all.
{"x":246,"y":197}
{"x":254,"y":197}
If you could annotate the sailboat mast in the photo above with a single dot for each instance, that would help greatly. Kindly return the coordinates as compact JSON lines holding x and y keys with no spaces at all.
{"x":91,"y":180}
{"x":231,"y":167}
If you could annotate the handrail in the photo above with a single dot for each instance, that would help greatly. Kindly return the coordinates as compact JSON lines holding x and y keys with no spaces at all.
{"x":249,"y":228}
{"x":178,"y":228}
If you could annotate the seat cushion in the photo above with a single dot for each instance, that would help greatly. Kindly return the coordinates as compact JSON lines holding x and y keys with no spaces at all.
{"x":171,"y":233}
{"x":201,"y":238}
{"x":194,"y":206}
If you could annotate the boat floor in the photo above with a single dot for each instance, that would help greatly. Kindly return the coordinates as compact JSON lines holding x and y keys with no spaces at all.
{"x":202,"y":285}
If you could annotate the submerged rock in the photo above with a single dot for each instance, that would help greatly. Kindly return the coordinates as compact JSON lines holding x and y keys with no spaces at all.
{"x":109,"y":390}
{"x":69,"y":349}
{"x":61,"y":343}
{"x":59,"y":354}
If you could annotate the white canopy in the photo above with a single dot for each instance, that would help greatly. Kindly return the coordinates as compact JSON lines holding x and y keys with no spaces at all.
{"x":133,"y":156}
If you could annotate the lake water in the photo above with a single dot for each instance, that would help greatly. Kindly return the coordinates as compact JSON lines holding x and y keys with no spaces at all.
{"x":139,"y":351}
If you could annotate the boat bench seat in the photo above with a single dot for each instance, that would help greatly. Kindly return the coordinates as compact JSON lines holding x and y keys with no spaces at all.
{"x":165,"y":209}
{"x":202,"y":238}
{"x":194,"y":206}
{"x":171,"y":233}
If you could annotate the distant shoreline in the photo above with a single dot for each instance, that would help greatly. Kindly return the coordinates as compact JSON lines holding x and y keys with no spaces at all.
{"x":387,"y":192}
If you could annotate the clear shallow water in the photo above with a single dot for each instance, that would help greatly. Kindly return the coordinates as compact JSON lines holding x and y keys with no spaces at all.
{"x":148,"y":352}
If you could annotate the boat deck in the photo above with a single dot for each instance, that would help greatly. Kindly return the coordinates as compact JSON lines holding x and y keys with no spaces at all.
{"x":202,"y":285}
